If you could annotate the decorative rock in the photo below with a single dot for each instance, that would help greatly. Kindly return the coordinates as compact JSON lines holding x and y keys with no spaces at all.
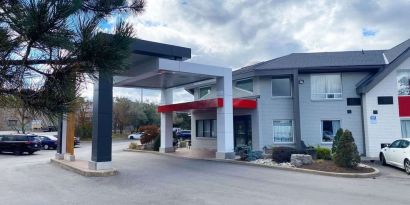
{"x":300,"y":159}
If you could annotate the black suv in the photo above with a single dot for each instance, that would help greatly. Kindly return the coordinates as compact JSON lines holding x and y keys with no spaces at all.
{"x":18,"y":144}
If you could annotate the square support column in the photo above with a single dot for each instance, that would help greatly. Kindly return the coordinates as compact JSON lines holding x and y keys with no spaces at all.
{"x":102,"y":123}
{"x":62,"y":130}
{"x":296,"y":109}
{"x":225,"y":149}
{"x":166,"y":123}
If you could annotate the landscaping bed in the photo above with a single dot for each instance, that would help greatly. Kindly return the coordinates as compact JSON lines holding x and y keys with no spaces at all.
{"x":330,"y":166}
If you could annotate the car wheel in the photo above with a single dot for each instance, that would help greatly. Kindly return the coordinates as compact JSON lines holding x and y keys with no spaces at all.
{"x":407,"y":166}
{"x":30,"y":152}
{"x":131,"y":137}
{"x":46,"y":147}
{"x":383,"y":160}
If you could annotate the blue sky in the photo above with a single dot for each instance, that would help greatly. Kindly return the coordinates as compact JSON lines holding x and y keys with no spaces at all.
{"x":235,"y":33}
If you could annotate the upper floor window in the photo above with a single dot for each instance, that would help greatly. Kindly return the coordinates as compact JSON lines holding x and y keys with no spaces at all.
{"x":403,"y":82}
{"x":281,"y":87}
{"x":204,"y":91}
{"x":326,"y":86}
{"x":245,"y":84}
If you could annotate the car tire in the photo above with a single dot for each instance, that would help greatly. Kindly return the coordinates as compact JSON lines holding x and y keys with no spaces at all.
{"x":131,"y":137}
{"x":30,"y":152}
{"x":46,"y":147}
{"x":383,"y":159}
{"x":407,"y":166}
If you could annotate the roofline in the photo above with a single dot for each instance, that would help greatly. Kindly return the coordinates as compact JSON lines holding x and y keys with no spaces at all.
{"x":161,"y":50}
{"x":372,"y":82}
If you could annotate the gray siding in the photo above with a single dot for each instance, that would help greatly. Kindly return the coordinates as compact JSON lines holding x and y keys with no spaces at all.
{"x":269,"y":109}
{"x":312,"y":112}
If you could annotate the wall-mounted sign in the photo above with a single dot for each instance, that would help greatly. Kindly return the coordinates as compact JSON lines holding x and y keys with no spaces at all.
{"x":373,"y":119}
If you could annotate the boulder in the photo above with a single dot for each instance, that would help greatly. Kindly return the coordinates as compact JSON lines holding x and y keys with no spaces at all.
{"x":300,"y":159}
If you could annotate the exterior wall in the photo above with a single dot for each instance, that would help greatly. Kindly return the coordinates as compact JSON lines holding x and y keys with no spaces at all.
{"x":202,"y":142}
{"x":387,"y":128}
{"x":270,"y":108}
{"x":313,"y":112}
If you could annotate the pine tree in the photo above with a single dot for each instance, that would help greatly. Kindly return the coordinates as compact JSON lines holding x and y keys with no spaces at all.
{"x":339,"y":133}
{"x":48,"y":47}
{"x":347,"y":154}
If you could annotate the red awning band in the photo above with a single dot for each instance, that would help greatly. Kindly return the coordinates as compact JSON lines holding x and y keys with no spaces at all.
{"x":207,"y":104}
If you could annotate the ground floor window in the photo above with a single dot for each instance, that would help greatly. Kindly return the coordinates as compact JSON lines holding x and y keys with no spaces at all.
{"x":329,"y":129}
{"x":206,"y":128}
{"x":283,"y":131}
{"x":405,"y":128}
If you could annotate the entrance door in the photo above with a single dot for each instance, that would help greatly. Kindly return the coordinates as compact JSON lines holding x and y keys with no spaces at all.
{"x":242,"y":130}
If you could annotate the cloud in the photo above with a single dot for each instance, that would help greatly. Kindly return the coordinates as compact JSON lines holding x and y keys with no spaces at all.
{"x":235,"y":33}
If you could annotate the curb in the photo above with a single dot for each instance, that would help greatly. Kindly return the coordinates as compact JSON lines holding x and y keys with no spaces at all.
{"x":301,"y":170}
{"x":84,"y":172}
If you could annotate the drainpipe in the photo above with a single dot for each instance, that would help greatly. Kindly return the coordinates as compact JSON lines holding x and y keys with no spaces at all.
{"x":363,"y":126}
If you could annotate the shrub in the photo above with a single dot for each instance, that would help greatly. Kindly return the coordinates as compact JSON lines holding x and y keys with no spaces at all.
{"x":346,"y":154}
{"x":247,"y":154}
{"x":339,"y":133}
{"x":157,"y":143}
{"x":283,"y":154}
{"x":150,"y":133}
{"x":323,"y":153}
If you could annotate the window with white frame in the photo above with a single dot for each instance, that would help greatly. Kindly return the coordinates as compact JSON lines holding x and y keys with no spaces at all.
{"x":329,"y":129}
{"x":283,"y":131}
{"x":281,"y":87}
{"x":246,"y":84}
{"x":403,"y":82}
{"x":204,"y":92}
{"x":206,"y":128}
{"x":405,"y":128}
{"x":326,"y":86}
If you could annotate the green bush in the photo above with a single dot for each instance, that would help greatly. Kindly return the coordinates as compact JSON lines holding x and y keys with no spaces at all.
{"x":247,"y":154}
{"x":323,"y":153}
{"x":339,"y":133}
{"x":346,"y":154}
{"x":157,"y":143}
{"x":182,"y":144}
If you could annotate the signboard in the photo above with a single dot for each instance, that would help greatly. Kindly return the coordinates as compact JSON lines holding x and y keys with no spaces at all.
{"x":373,"y":119}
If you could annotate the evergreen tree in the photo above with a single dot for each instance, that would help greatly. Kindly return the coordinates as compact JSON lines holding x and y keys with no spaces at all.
{"x":339,"y":133}
{"x":48,"y":47}
{"x":347,"y":154}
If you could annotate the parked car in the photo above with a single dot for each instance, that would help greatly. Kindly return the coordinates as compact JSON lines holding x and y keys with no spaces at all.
{"x":48,"y":142}
{"x":397,"y":154}
{"x":18,"y":144}
{"x":135,"y":136}
{"x":49,"y":129}
{"x":76,"y":141}
{"x":184,"y":134}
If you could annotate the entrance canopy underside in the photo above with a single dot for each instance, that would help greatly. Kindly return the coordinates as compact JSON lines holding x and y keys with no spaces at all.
{"x":162,"y":66}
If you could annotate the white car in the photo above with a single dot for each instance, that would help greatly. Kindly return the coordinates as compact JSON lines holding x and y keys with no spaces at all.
{"x":135,"y":136}
{"x":397,"y":154}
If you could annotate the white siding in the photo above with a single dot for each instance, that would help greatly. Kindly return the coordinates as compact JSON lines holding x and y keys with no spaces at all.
{"x":387,"y":128}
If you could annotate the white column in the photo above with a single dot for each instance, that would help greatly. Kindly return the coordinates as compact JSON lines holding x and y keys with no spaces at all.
{"x":225,"y":149}
{"x":63,"y":139}
{"x":166,"y":123}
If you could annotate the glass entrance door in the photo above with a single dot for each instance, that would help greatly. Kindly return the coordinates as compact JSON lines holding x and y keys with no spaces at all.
{"x":242,"y":130}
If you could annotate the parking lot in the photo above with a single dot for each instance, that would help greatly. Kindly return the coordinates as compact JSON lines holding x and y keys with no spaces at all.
{"x":152,"y":179}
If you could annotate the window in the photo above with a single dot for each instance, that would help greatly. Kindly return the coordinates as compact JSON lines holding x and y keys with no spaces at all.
{"x":329,"y":129}
{"x":326,"y":86}
{"x":395,"y":144}
{"x":403,"y":82}
{"x":282,"y":131}
{"x":204,"y":91}
{"x":12,"y":123}
{"x":206,"y":128}
{"x":405,"y":144}
{"x":354,"y":101}
{"x":281,"y":87}
{"x":385,"y":100}
{"x":405,"y":128}
{"x":245,"y":84}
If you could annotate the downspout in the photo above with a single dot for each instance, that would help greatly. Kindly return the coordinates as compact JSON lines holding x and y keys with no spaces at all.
{"x":363,"y":126}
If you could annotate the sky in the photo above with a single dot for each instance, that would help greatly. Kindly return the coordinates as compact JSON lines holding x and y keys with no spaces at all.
{"x":236,"y":33}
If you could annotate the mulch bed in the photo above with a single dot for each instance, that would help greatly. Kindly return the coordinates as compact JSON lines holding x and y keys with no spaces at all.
{"x":330,"y":166}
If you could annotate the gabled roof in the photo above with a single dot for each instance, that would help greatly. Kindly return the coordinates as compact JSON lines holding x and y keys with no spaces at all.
{"x":381,"y":61}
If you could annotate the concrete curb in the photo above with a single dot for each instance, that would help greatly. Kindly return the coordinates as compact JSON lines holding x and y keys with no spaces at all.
{"x":323,"y":173}
{"x":83,"y":171}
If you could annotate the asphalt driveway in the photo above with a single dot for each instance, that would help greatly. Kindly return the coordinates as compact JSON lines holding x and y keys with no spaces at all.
{"x":153,"y":179}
